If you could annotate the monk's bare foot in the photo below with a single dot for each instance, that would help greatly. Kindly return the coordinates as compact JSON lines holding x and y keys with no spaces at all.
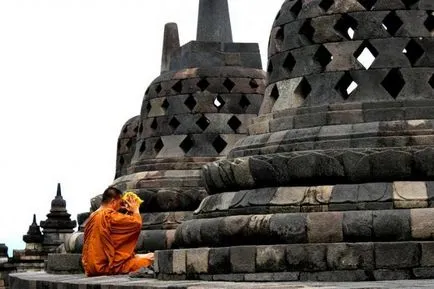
{"x":142,"y":273}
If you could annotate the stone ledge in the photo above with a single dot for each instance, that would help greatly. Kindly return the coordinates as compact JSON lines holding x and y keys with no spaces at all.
{"x":301,"y":228}
{"x":44,"y":280}
{"x":304,"y":262}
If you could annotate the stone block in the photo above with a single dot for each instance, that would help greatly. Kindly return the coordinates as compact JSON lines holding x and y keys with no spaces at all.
{"x":422,"y":225}
{"x":344,"y":194}
{"x":219,"y":261}
{"x":427,"y":250}
{"x":335,"y":276}
{"x":306,"y":257}
{"x":375,"y":192}
{"x":197,"y":261}
{"x":357,"y":226}
{"x":269,"y":277}
{"x":424,"y":272}
{"x":270,"y":258}
{"x":228,"y":277}
{"x":350,"y":256}
{"x":164,"y":261}
{"x":410,"y":195}
{"x":243,"y":259}
{"x":324,"y":227}
{"x":64,"y":264}
{"x":397,"y":255}
{"x":392,"y":225}
{"x":385,"y":274}
{"x":288,"y":228}
{"x":179,"y":261}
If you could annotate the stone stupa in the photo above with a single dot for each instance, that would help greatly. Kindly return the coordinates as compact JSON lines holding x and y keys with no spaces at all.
{"x":207,"y":94}
{"x":335,"y":180}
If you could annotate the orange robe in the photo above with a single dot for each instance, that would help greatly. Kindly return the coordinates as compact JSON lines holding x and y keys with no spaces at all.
{"x":109,"y":242}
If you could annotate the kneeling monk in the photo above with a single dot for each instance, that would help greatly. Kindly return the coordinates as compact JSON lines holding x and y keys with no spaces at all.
{"x":110,"y":238}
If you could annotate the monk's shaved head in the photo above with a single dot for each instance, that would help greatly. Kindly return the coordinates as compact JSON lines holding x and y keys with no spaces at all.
{"x":109,"y":194}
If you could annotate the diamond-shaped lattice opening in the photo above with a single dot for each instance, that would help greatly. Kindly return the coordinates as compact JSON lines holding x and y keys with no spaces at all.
{"x":187,"y":144}
{"x":392,"y":23}
{"x":121,"y":161}
{"x":244,"y":102}
{"x":190,"y":102}
{"x":409,"y":3}
{"x":203,"y":122}
{"x":125,"y":130}
{"x":136,"y":129}
{"x":346,"y":26}
{"x":147,"y":90}
{"x":218,"y":102}
{"x":429,"y":22}
{"x":270,"y":67}
{"x":219,"y":144}
{"x":303,"y":89}
{"x":174,"y":123}
{"x":177,"y":87}
{"x":119,"y":145}
{"x":158,"y":88}
{"x":275,"y":93}
{"x":140,"y":128}
{"x":346,"y":85}
{"x":307,"y":31}
{"x":158,"y":146}
{"x":280,"y":35}
{"x":165,"y":104}
{"x":326,"y":4}
{"x":234,"y":123}
{"x":148,"y":107}
{"x":129,"y":143}
{"x":323,"y":56}
{"x":289,"y":62}
{"x":367,"y":4}
{"x":142,"y":147}
{"x":366,"y":54}
{"x":203,"y":84}
{"x":393,"y":82}
{"x":413,"y":51}
{"x":154,"y":124}
{"x":431,"y":81}
{"x":229,"y":84}
{"x":296,"y":8}
{"x":253,"y":83}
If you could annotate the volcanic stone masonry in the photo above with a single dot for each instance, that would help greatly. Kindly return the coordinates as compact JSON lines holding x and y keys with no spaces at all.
{"x":192,"y":114}
{"x":335,"y":181}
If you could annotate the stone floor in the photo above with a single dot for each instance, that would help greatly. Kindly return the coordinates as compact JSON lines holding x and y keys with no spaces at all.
{"x":44,"y":280}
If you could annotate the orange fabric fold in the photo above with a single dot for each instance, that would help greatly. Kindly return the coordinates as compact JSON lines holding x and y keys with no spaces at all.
{"x":110,"y":239}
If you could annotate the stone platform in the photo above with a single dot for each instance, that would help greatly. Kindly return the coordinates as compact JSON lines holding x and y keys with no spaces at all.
{"x":44,"y":280}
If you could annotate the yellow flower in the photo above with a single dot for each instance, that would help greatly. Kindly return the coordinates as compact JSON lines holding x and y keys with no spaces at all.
{"x":131,"y":195}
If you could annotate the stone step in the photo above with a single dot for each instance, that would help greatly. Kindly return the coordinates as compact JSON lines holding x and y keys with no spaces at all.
{"x":44,"y":280}
{"x":300,"y":262}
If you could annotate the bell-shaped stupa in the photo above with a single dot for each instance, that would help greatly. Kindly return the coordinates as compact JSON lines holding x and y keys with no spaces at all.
{"x":192,"y":114}
{"x":335,"y":180}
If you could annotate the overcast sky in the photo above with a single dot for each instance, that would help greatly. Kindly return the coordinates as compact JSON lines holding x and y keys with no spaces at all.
{"x":71,"y":73}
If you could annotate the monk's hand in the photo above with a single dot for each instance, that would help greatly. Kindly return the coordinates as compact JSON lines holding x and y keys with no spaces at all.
{"x":133,"y":205}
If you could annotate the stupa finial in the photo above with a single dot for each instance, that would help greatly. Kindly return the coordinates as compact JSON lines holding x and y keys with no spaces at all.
{"x":170,"y":44}
{"x":214,"y":23}
{"x":59,"y":191}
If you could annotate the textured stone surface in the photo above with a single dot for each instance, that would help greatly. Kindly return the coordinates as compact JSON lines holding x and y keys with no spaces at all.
{"x":39,"y":280}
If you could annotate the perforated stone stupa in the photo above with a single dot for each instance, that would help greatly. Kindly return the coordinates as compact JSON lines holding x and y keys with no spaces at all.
{"x":192,"y":114}
{"x":334,"y":181}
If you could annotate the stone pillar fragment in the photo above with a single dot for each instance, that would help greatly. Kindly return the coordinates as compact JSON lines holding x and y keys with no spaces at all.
{"x":214,"y":24}
{"x":170,"y":44}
